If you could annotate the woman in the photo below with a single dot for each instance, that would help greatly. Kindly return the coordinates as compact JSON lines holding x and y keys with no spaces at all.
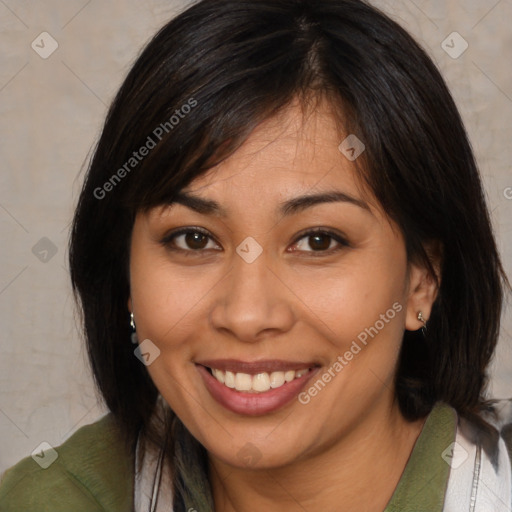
{"x":284,"y":215}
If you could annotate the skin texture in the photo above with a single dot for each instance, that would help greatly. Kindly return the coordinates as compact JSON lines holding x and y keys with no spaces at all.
{"x":291,"y":303}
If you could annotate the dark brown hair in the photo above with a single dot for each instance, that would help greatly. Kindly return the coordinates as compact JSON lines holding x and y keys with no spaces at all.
{"x":236,"y":63}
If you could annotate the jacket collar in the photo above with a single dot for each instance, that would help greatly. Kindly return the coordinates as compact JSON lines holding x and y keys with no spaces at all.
{"x":423,"y":484}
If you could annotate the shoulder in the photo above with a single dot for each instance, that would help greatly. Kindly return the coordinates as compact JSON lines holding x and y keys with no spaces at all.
{"x":499,"y":415}
{"x":495,"y":429}
{"x":93,"y":472}
{"x":481,"y":460}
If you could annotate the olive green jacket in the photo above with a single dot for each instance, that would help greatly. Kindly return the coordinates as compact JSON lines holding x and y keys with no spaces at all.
{"x":92,"y":473}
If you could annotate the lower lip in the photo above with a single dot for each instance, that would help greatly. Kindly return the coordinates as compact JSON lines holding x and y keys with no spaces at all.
{"x":254,"y":404}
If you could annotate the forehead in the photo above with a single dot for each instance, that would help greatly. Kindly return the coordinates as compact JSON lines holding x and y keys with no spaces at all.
{"x":295,"y":150}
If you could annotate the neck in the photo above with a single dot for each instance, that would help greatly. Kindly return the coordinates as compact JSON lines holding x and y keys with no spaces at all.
{"x":360,"y":471}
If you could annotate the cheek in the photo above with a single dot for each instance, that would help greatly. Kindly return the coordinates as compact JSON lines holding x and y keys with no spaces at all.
{"x":159,"y":302}
{"x":360,"y":310}
{"x":168,"y":311}
{"x":368,"y":289}
{"x":169,"y":304}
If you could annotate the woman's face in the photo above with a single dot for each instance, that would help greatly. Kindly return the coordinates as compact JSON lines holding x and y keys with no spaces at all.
{"x":289,"y":284}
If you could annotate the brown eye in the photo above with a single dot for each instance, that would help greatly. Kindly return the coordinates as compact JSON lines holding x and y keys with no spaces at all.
{"x":319,"y":241}
{"x":196,"y":240}
{"x":191,"y":240}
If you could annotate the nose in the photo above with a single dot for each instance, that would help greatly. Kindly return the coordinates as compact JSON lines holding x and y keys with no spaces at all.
{"x":251,"y":303}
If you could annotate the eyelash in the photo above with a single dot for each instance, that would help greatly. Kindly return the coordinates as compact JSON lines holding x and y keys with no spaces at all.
{"x":167,"y":241}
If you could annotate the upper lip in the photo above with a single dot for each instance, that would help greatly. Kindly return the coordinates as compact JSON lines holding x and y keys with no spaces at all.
{"x":255,"y":367}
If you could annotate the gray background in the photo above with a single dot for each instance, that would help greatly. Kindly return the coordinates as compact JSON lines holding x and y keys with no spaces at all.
{"x":51,"y":113}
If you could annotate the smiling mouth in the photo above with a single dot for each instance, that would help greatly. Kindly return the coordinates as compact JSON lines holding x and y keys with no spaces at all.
{"x":257,"y":383}
{"x":255,"y":388}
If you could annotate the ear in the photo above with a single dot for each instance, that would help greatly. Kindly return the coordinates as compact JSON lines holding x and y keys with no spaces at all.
{"x":130,"y":307}
{"x":422,"y":292}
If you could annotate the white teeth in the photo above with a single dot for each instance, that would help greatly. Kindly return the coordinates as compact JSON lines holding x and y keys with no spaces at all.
{"x":289,"y":375}
{"x":276,"y":379}
{"x":261,"y":382}
{"x":258,"y":383}
{"x":229,"y":379}
{"x":243,"y":382}
{"x":219,"y":375}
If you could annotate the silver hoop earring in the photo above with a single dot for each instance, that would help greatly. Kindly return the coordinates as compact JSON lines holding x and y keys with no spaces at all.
{"x":421,"y":319}
{"x":134,"y":338}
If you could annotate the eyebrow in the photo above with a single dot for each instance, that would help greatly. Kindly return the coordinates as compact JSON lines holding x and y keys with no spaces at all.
{"x":198,"y":204}
{"x":289,"y":207}
{"x":301,"y":203}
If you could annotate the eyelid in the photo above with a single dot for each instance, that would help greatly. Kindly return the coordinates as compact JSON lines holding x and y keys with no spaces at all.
{"x":335,"y":235}
{"x":168,"y":237}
